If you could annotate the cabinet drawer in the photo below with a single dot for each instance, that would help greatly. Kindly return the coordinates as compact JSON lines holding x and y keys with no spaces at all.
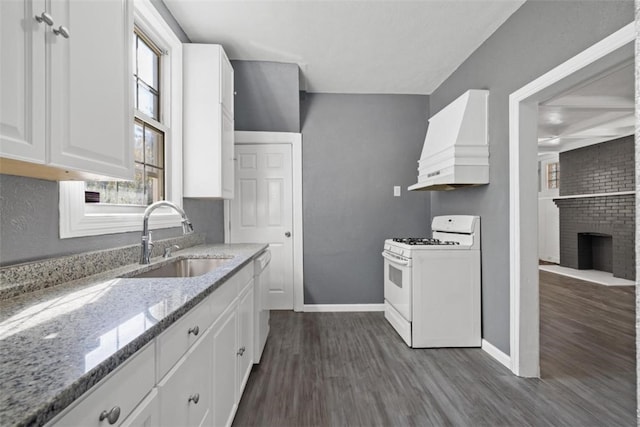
{"x":123,"y":389}
{"x":185,"y":392}
{"x":173,"y":343}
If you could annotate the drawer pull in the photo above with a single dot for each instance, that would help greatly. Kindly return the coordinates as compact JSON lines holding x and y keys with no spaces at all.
{"x":195,"y":330}
{"x":44,"y":17}
{"x":194,"y":398}
{"x":111,"y":416}
{"x":61,"y":31}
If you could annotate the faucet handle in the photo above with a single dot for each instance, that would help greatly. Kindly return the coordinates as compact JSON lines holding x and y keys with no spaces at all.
{"x":168,"y":249}
{"x":187,"y":227}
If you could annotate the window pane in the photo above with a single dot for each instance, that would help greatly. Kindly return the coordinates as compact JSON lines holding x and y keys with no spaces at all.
{"x":147,"y":101}
{"x":132,"y":192}
{"x":154,"y":147}
{"x":155,"y":184}
{"x":147,"y":64}
{"x":135,"y":94}
{"x":138,"y":146}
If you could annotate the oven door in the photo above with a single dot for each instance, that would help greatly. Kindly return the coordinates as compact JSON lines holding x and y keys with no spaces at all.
{"x":397,"y":283}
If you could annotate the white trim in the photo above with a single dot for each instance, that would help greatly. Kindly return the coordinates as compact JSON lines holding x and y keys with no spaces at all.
{"x":79,"y":219}
{"x":586,"y":196}
{"x":335,"y":308}
{"x":496,"y":353}
{"x":523,"y":118}
{"x":295,"y":139}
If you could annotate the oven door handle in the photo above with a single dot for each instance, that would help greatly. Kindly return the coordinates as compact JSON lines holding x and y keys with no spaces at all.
{"x":395,"y":259}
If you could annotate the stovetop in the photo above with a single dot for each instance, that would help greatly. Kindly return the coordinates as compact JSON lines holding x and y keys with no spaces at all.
{"x":423,"y":241}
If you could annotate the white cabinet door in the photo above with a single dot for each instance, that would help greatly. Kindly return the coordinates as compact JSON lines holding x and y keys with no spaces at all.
{"x":208,"y":122}
{"x":22,"y":80}
{"x":146,"y":414}
{"x":91,"y":102}
{"x":227,"y":157}
{"x":245,"y":338}
{"x":185,"y":393}
{"x":227,"y":91}
{"x":224,"y":368}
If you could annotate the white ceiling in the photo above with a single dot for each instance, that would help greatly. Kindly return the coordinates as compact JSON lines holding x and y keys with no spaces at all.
{"x":594,"y":111}
{"x":401,"y":47}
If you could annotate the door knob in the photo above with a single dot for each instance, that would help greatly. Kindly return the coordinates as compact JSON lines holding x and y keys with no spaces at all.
{"x":287,"y":234}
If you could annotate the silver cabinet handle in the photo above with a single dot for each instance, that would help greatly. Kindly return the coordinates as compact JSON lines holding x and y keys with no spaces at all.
{"x":287,"y":234}
{"x":61,"y":31}
{"x":44,"y":17}
{"x":194,"y":398}
{"x":195,"y":331}
{"x":111,"y":416}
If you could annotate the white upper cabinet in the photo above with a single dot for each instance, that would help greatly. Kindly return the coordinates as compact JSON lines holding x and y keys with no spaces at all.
{"x":22,"y":83}
{"x":67,"y":88}
{"x":208,"y":122}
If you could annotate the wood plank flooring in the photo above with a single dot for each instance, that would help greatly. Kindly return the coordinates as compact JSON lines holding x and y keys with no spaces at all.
{"x":338,"y":369}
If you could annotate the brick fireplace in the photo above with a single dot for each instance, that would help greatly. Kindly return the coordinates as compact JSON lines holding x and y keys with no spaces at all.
{"x":597,"y":208}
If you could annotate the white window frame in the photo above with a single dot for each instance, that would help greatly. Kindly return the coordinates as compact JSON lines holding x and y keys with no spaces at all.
{"x":78,"y":218}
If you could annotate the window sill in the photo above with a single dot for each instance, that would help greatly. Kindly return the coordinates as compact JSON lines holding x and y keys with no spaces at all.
{"x":86,"y":219}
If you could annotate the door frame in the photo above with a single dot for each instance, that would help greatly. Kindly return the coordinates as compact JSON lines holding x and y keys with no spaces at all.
{"x":523,"y":192}
{"x":295,"y":140}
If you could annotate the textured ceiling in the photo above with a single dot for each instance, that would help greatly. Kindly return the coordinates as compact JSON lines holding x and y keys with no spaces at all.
{"x":594,"y":111}
{"x":402,"y":47}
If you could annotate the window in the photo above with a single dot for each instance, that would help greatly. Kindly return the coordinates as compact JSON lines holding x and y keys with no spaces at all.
{"x":148,"y":131}
{"x":157,"y":92}
{"x":553,"y":175}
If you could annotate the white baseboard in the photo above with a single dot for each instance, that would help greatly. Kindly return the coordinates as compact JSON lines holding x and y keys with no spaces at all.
{"x":496,"y":353}
{"x":342,"y":307}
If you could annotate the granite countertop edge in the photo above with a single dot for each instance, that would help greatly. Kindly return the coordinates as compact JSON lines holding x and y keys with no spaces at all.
{"x":243,"y":254}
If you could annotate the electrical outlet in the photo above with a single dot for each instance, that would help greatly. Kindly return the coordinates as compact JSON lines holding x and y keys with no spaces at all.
{"x":396,"y":191}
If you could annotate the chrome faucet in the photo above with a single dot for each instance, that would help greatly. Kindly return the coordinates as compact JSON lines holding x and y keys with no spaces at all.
{"x":147,"y":244}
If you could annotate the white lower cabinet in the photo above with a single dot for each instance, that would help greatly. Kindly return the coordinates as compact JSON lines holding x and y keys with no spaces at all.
{"x":147,"y":414}
{"x":116,"y":396}
{"x":232,"y":356}
{"x":185,"y":392}
{"x":224,"y":368}
{"x":197,"y":382}
{"x":245,"y":337}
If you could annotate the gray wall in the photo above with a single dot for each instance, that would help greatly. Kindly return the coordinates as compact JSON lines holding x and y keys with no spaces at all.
{"x":169,"y":19}
{"x":267,"y":96}
{"x":29,"y":223}
{"x":536,"y":38}
{"x":355,"y":149}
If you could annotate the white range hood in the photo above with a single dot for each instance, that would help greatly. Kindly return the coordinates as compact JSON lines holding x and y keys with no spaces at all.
{"x":456,"y":150}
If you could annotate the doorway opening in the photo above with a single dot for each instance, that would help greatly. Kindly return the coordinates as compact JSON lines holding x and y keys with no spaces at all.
{"x":614,"y":51}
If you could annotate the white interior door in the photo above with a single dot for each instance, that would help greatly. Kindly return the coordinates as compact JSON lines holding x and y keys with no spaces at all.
{"x":548,"y":214}
{"x":262,"y":212}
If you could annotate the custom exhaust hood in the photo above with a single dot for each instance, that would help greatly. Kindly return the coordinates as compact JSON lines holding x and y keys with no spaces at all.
{"x":456,"y":150}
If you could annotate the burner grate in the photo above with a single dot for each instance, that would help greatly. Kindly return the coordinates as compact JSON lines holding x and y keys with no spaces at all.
{"x":423,"y":241}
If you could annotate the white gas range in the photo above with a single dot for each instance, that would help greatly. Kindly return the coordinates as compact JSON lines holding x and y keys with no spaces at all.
{"x":432,"y":285}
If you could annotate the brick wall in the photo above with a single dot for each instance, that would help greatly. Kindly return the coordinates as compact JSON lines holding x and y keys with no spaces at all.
{"x":612,"y":215}
{"x":608,"y":167}
{"x":601,"y":168}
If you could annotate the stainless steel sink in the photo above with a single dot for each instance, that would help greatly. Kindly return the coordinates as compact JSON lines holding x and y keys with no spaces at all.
{"x":186,"y":267}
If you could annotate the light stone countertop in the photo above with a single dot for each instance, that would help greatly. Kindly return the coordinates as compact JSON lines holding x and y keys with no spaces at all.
{"x":56,"y":343}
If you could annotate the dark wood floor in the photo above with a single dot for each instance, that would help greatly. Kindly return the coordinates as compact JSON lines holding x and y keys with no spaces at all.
{"x":335,"y":369}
